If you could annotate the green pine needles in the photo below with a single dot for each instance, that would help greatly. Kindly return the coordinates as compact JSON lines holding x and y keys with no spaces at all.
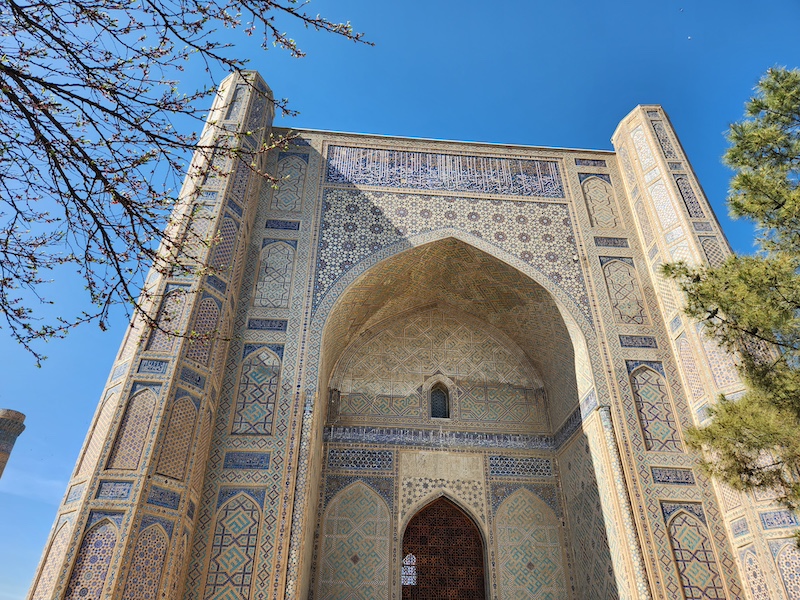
{"x":751,"y":304}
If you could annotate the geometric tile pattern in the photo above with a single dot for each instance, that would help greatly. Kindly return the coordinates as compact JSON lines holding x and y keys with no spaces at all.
{"x":689,"y":199}
{"x":529,"y":549}
{"x":600,"y":202}
{"x":291,"y":175}
{"x":453,"y":273}
{"x":233,"y":550}
{"x":205,"y":325}
{"x":646,"y":158}
{"x":144,"y":576}
{"x":178,"y":439}
{"x":754,"y":575}
{"x":644,"y":224}
{"x":52,"y":564}
{"x":788,"y":561}
{"x":360,"y":459}
{"x":713,"y":251}
{"x":98,"y":436}
{"x":690,"y":367}
{"x":133,"y":431}
{"x":258,"y":390}
{"x":275,"y":276}
{"x":443,"y":172}
{"x":662,"y":202}
{"x":428,"y":544}
{"x":223,"y":251}
{"x":468,"y":492}
{"x":356,"y":534}
{"x":595,"y":547}
{"x":663,"y":139}
{"x":511,"y":466}
{"x":360,"y":223}
{"x":170,"y":318}
{"x":694,"y":555}
{"x":383,"y":378}
{"x":91,"y":564}
{"x":654,"y":409}
{"x":723,"y":368}
{"x":623,"y":289}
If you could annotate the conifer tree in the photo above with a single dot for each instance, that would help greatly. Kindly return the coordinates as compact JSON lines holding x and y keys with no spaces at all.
{"x":751,"y":304}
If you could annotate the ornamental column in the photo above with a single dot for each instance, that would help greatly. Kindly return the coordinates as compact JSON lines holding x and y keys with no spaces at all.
{"x":124,"y":527}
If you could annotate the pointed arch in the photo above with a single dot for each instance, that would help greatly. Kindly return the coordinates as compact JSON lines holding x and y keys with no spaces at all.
{"x":147,"y":564}
{"x":355,"y":545}
{"x":694,"y":557}
{"x":530,"y":553}
{"x":97,"y":437}
{"x":88,"y":576}
{"x":170,"y":319}
{"x":788,"y":561}
{"x":291,"y":180}
{"x":599,"y":197}
{"x":754,"y":575}
{"x":274,"y":283}
{"x":257,"y":394}
{"x":654,"y":408}
{"x":178,"y":438}
{"x":430,"y":536}
{"x":205,"y":326}
{"x":627,"y":301}
{"x":133,"y":430}
{"x":222,"y":257}
{"x":233,"y":551}
{"x":52,"y":563}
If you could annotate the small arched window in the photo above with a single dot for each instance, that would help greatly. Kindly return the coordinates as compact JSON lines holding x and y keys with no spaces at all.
{"x":409,"y":574}
{"x":440,"y":402}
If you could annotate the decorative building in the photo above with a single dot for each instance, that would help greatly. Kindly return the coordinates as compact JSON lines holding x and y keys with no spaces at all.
{"x":11,"y":425}
{"x":425,"y":365}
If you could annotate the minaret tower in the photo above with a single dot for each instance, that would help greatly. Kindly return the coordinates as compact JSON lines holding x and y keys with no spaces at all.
{"x":124,"y":526}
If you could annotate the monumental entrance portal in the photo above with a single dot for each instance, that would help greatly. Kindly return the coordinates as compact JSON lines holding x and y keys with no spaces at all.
{"x":420,"y":369}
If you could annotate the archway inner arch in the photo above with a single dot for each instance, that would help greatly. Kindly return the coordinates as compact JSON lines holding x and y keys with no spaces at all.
{"x":460,"y":278}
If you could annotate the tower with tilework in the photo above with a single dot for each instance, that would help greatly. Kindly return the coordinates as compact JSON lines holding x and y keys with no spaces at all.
{"x":402,"y":343}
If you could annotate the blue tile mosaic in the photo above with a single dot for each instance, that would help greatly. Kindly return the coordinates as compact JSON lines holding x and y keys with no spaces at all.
{"x":226,"y":493}
{"x":246,"y":460}
{"x":360,"y":459}
{"x":672,"y":476}
{"x":163,"y":497}
{"x":267,"y":324}
{"x":284,"y":225}
{"x":114,"y":490}
{"x":777,"y":519}
{"x":611,"y":242}
{"x":443,"y":172}
{"x":153,"y":367}
{"x":740,"y":527}
{"x":512,"y":466}
{"x":637,"y":341}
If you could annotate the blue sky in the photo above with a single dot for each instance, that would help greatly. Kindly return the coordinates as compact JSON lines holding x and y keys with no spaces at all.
{"x":542,"y":74}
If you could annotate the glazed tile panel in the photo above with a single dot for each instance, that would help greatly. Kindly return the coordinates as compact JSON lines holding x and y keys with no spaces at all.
{"x":443,"y":172}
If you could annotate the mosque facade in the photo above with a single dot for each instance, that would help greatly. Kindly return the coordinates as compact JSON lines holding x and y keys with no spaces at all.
{"x":420,"y":369}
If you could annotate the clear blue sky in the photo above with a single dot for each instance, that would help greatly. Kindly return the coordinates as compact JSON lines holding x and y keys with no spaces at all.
{"x":518,"y":72}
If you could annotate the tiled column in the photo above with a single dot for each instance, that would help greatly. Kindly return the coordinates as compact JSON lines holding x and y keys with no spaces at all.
{"x":127,"y":519}
{"x":676,"y":223}
{"x":11,"y":425}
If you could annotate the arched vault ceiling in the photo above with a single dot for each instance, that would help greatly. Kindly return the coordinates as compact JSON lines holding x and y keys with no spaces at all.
{"x":453,"y":272}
